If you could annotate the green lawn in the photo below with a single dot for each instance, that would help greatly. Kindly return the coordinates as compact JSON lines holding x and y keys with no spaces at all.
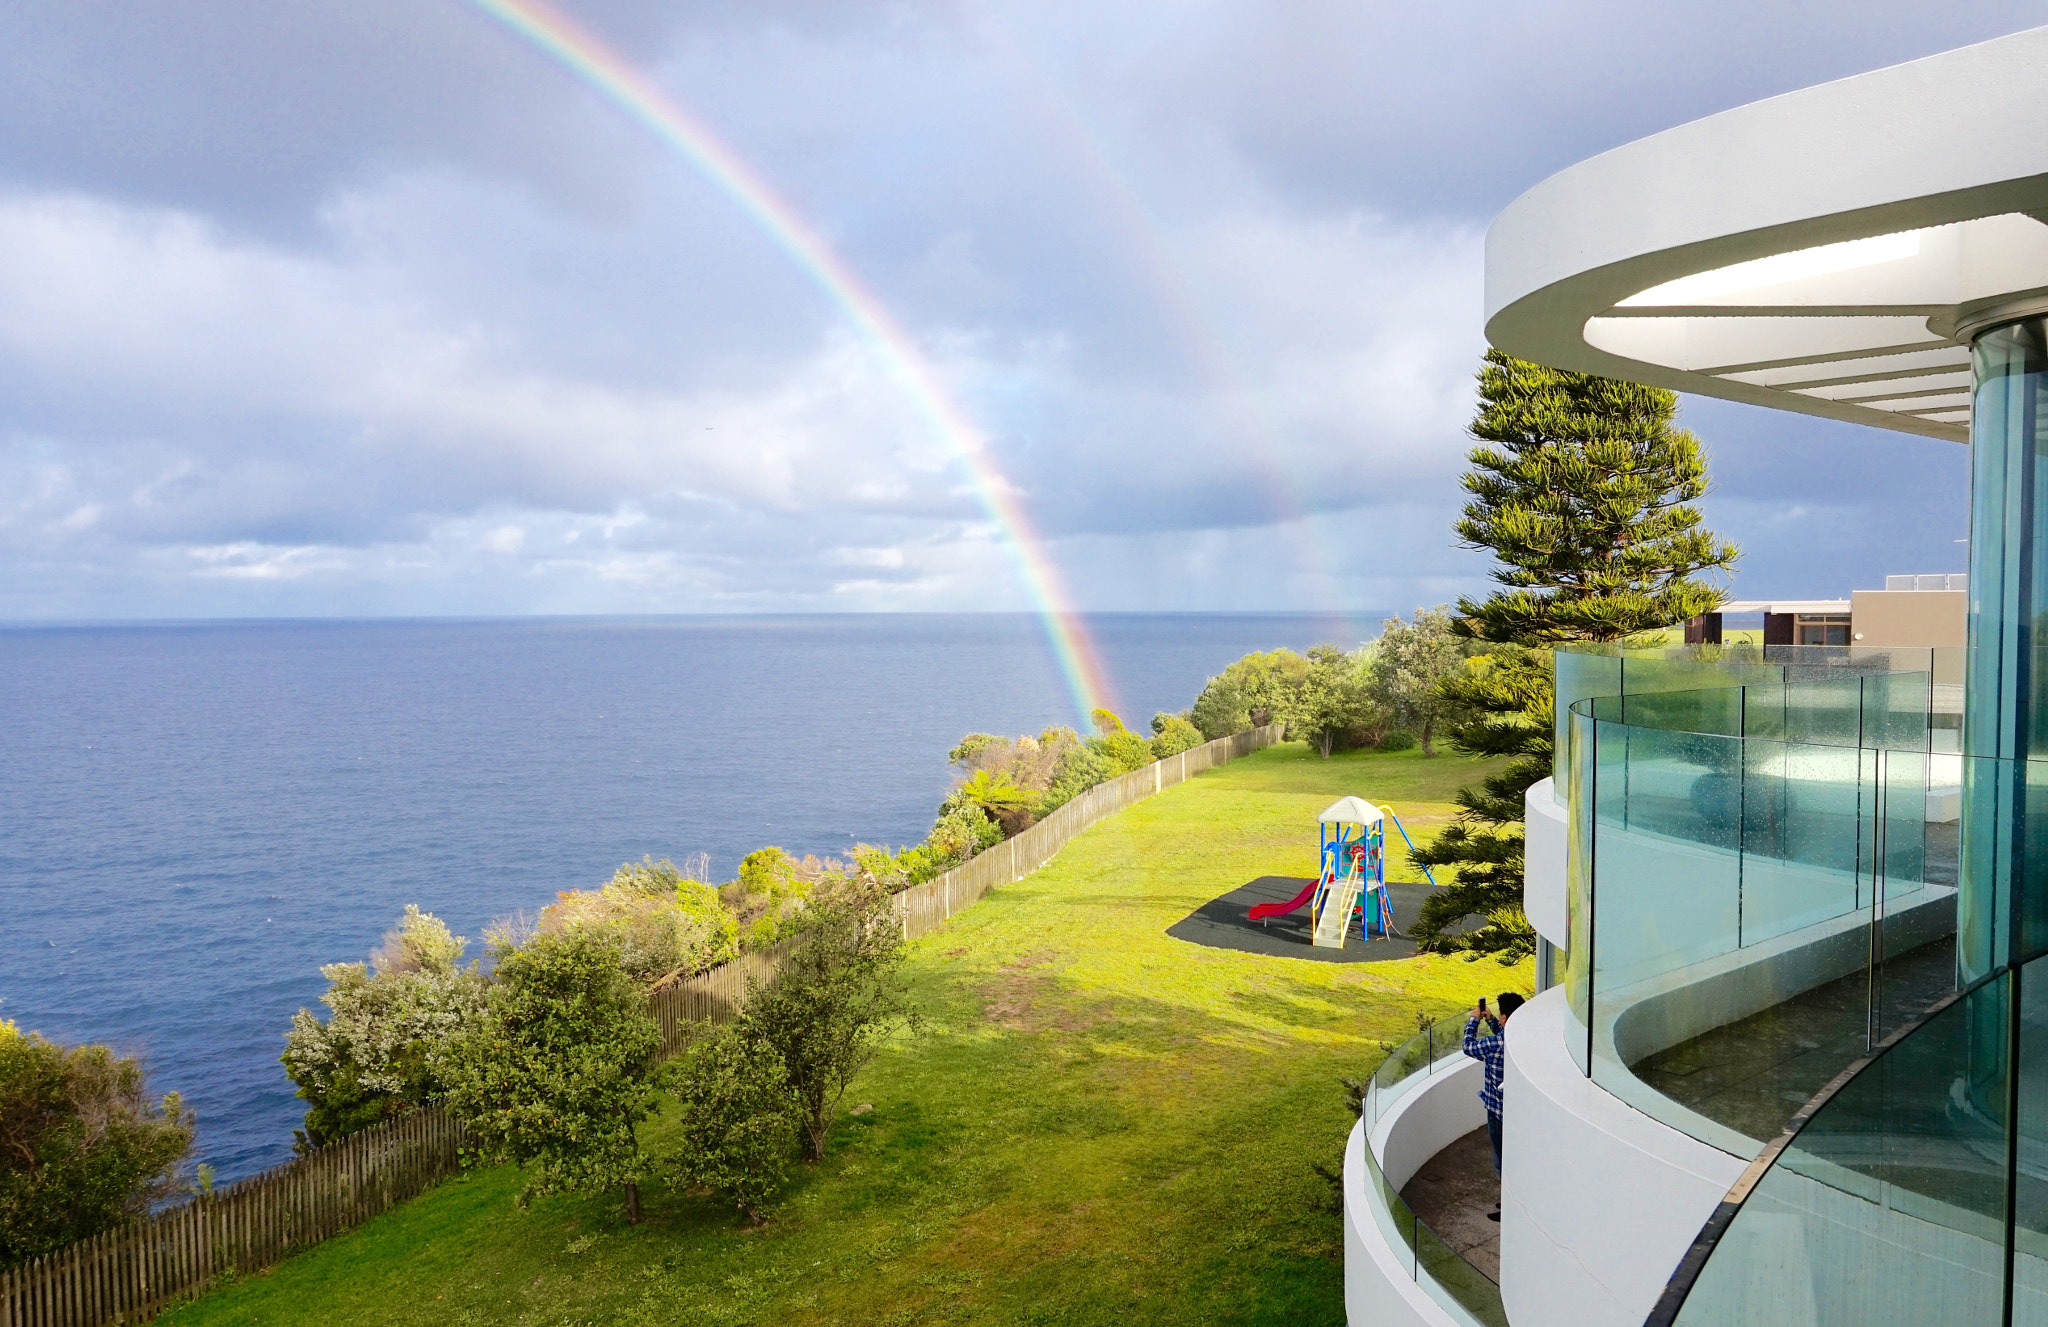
{"x":1100,"y":1125}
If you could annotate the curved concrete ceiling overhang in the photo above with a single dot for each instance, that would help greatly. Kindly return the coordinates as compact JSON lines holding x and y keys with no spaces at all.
{"x":1828,"y":251}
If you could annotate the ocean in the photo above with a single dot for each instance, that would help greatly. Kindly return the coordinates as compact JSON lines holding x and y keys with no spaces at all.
{"x":195,"y":817}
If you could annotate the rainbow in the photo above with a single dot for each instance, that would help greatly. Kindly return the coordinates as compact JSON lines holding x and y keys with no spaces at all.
{"x":604,"y":70}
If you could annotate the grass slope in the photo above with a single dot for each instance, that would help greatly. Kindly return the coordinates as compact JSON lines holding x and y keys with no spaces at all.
{"x":1102,"y":1124}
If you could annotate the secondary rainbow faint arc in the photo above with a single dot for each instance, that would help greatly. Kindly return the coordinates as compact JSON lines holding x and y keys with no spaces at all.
{"x":584,"y":55}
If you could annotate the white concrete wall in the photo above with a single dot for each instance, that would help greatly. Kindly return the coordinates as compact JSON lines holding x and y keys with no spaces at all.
{"x":1428,"y":1118}
{"x":1379,"y":1289}
{"x":1598,"y":1201}
{"x":1543,"y":850}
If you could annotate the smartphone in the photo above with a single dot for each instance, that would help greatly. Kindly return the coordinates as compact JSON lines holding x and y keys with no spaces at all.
{"x":1482,"y":1004}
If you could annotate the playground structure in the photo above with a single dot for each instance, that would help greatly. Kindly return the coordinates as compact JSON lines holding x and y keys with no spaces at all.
{"x":1351,"y":876}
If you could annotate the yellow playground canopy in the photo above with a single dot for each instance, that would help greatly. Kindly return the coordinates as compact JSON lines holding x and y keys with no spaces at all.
{"x":1349,"y":811}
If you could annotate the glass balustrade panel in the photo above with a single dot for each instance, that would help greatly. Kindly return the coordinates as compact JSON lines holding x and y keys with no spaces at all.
{"x":1888,"y":1209}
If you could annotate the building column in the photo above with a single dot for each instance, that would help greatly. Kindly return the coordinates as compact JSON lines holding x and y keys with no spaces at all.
{"x":2003,"y":908}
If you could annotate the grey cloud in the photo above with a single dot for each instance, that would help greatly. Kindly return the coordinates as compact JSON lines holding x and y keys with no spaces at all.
{"x":373,"y":309}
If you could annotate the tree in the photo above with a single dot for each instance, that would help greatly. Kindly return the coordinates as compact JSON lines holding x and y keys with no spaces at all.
{"x":736,"y":1119}
{"x":1409,"y":665}
{"x":1582,"y":489}
{"x":769,"y":891}
{"x":1329,"y":701}
{"x":1221,"y":709}
{"x":555,"y":1075}
{"x":1499,"y":704}
{"x":1173,"y":734}
{"x":668,"y":925}
{"x":1255,"y":690}
{"x":837,"y":996}
{"x":82,"y":1146}
{"x":1000,"y":799}
{"x":388,"y":1022}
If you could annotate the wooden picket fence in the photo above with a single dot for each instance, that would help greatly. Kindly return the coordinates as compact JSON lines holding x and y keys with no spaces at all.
{"x":129,"y":1274}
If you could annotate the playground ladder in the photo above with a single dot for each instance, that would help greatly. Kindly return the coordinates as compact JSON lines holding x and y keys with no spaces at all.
{"x":1339,"y":899}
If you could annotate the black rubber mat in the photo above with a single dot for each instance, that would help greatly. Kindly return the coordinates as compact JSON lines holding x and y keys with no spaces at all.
{"x":1221,"y":923}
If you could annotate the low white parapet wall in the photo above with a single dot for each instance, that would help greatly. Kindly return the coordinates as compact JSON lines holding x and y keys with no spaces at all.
{"x":1426,"y":1114}
{"x":1598,"y":1200}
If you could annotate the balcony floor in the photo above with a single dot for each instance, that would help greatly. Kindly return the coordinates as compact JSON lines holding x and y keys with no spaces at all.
{"x":1753,"y":1075}
{"x":1452,"y":1194}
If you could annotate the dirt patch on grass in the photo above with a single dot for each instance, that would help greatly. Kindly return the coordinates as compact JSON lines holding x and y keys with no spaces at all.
{"x":1022,"y":997}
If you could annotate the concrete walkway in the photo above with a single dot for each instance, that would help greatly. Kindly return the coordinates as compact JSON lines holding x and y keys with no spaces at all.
{"x":1452,"y":1194}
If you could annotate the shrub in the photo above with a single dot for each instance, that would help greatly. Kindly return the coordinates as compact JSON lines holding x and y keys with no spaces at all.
{"x":769,"y":890}
{"x":82,"y":1147}
{"x":1123,"y":749}
{"x":1398,"y":740}
{"x":999,"y":798}
{"x":835,"y":998}
{"x":1173,"y":735}
{"x":736,"y":1119}
{"x":554,"y":1075}
{"x":668,"y":925}
{"x":1080,"y":769}
{"x":387,"y":1022}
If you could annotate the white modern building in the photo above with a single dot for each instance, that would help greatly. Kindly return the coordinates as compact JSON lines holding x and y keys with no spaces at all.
{"x":1791,"y":1066}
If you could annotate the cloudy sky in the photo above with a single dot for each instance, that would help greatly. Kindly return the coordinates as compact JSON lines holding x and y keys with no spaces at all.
{"x":372,"y":308}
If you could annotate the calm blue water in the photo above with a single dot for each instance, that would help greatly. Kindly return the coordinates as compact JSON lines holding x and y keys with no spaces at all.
{"x":193,"y":818}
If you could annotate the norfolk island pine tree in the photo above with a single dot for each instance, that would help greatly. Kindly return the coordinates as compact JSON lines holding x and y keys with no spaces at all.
{"x":1584,"y":491}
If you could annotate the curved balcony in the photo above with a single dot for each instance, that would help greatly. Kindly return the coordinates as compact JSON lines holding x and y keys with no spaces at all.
{"x":1761,"y":876}
{"x":1412,"y":1208}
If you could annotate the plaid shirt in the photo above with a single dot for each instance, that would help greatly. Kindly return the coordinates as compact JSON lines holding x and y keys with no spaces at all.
{"x":1491,"y":1052}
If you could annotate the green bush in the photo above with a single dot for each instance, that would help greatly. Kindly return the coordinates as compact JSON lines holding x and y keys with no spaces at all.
{"x":837,"y":996}
{"x":555,"y":1075}
{"x":1398,"y":740}
{"x":1173,"y":734}
{"x":82,"y":1147}
{"x":736,"y":1119}
{"x":1080,"y":769}
{"x":1123,"y":749}
{"x":388,"y":1021}
{"x":767,"y":893}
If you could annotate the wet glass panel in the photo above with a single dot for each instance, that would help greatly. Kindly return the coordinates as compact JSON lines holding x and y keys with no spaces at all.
{"x":1666,"y":843}
{"x":1889,"y":1206}
{"x":1896,"y":713}
{"x":1396,"y":1221}
{"x":1453,"y":1282}
{"x":1580,"y":672}
{"x":1803,"y":831}
{"x":2030,"y":1181}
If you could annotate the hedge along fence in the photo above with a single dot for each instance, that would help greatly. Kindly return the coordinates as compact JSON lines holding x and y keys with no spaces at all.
{"x":129,"y":1274}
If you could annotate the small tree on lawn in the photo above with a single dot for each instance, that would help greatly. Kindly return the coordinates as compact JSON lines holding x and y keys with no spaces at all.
{"x":737,"y":1119}
{"x":837,"y":996}
{"x":555,"y":1075}
{"x":1583,"y":491}
{"x":1411,"y":663}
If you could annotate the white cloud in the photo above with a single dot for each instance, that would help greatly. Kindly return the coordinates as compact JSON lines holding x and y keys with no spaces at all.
{"x":1206,"y":277}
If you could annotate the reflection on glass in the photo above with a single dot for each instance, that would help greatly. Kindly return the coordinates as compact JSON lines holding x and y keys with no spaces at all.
{"x":1889,"y":1206}
{"x":1788,"y":835}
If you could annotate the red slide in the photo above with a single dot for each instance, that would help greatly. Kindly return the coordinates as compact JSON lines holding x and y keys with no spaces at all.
{"x":1263,"y":910}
